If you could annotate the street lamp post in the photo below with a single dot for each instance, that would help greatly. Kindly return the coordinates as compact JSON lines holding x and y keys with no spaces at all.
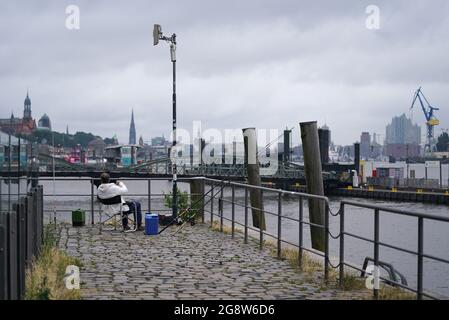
{"x":157,"y":35}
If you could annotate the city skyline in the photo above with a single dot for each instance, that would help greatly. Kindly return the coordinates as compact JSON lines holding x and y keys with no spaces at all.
{"x":132,"y":133}
{"x":237,"y":67}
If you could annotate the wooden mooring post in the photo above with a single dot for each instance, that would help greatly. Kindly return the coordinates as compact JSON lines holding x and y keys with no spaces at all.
{"x":197,"y":197}
{"x":253,"y":172}
{"x":314,"y":180}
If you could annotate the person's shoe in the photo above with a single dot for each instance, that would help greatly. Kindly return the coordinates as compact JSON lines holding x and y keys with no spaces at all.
{"x":126,"y":228}
{"x":140,"y":228}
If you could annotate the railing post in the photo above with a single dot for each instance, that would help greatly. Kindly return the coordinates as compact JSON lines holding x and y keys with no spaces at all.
{"x":300,"y":232}
{"x":18,"y":171}
{"x":246,"y":215}
{"x":203,"y":187}
{"x":12,"y":268}
{"x":4,"y":256}
{"x":220,"y":207}
{"x":35,"y":213}
{"x":342,"y":244}
{"x":260,"y":227}
{"x":232,"y":210}
{"x":149,"y":195}
{"x":376,"y":255}
{"x":92,"y":201}
{"x":1,"y":195}
{"x":326,"y":241}
{"x":220,"y":213}
{"x":40,"y":192}
{"x":30,"y":217}
{"x":212,"y":205}
{"x":279,"y":224}
{"x":420,"y":256}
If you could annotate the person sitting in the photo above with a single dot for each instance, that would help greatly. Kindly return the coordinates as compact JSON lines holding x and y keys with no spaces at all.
{"x":107,"y":190}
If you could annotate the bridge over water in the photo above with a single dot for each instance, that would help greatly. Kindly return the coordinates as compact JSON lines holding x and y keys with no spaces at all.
{"x":280,"y":173}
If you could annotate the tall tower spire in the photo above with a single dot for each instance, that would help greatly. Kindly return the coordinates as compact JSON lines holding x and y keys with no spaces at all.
{"x":27,"y":108}
{"x":132,"y":130}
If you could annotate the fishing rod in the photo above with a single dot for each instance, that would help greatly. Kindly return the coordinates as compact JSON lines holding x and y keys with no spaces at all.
{"x":224,"y":183}
{"x":187,"y":210}
{"x":192,"y":218}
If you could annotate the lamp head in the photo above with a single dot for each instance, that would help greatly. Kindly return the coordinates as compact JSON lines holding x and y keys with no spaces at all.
{"x":157,"y":31}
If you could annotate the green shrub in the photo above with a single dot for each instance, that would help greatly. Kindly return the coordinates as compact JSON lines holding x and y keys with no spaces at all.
{"x":184,"y":210}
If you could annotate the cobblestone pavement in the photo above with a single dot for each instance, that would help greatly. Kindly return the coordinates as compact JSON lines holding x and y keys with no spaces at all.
{"x":197,"y":263}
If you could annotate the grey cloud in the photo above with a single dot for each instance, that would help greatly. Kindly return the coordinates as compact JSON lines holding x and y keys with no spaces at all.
{"x":240,"y":63}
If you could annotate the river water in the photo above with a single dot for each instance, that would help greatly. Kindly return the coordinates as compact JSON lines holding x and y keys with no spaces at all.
{"x":395,"y":230}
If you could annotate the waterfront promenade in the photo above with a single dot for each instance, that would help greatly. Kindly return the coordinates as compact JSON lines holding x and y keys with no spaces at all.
{"x":197,"y":263}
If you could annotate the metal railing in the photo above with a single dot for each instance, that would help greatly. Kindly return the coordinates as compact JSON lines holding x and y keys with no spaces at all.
{"x":421,"y":217}
{"x":377,"y":210}
{"x":21,"y":235}
{"x":216,"y":193}
{"x":93,"y":207}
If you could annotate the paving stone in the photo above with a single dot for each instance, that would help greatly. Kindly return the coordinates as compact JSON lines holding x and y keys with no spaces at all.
{"x":197,"y":263}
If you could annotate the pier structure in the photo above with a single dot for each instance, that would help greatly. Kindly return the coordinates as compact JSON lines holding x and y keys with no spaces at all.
{"x":225,"y":246}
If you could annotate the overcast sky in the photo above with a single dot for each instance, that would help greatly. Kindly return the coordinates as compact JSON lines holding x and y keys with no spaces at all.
{"x":263,"y":64}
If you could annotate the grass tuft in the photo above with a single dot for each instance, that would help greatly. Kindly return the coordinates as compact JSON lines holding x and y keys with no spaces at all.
{"x":45,"y":278}
{"x":387,"y":292}
{"x":311,"y":266}
{"x":352,"y":282}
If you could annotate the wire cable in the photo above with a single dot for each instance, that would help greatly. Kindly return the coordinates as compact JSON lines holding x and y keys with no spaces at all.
{"x":192,"y":219}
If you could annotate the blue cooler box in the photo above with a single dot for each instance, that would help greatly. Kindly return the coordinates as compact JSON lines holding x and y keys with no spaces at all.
{"x":151,"y":223}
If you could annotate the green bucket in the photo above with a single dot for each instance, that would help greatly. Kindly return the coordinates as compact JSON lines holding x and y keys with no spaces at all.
{"x":78,"y":218}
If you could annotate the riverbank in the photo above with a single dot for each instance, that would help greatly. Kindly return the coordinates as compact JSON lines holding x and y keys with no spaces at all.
{"x":394,"y":195}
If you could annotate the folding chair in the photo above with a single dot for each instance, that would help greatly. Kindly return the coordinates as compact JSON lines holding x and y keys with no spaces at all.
{"x":113,"y":209}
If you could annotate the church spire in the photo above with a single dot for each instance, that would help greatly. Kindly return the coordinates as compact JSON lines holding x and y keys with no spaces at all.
{"x":27,"y":108}
{"x":132,"y":130}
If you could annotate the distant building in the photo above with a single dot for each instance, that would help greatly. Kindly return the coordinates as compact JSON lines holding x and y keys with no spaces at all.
{"x":159,"y":141}
{"x":297,"y":153}
{"x":365,"y":145}
{"x":132,"y":130}
{"x":402,"y":151}
{"x":324,"y":137}
{"x":403,"y":131}
{"x":122,"y":155}
{"x":44,"y":122}
{"x":96,"y":149}
{"x":403,"y":138}
{"x":77,"y":155}
{"x":376,"y":148}
{"x":346,"y":153}
{"x":24,"y":126}
{"x":16,"y":155}
{"x":114,"y":140}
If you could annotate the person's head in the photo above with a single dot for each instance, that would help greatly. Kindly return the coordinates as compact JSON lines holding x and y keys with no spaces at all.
{"x":105,"y":177}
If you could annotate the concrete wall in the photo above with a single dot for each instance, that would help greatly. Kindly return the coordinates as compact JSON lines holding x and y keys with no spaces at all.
{"x":419,"y":168}
{"x":403,"y":183}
